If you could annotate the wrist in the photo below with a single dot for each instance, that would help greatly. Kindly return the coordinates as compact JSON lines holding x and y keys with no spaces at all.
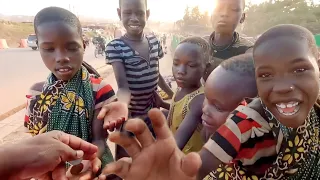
{"x":11,"y":166}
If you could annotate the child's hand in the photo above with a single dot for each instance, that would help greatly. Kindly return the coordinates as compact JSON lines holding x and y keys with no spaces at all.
{"x":113,"y":114}
{"x":86,"y":170}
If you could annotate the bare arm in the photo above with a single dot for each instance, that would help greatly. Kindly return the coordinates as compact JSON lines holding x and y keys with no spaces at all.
{"x":190,"y":122}
{"x":123,"y":94}
{"x":209,"y":163}
{"x":164,"y":86}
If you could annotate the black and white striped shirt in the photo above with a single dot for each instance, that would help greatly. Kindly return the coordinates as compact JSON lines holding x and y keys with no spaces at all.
{"x":142,"y":75}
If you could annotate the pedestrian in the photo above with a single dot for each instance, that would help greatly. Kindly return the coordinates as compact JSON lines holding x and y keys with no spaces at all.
{"x":225,"y":42}
{"x":135,"y":61}
{"x":71,"y":98}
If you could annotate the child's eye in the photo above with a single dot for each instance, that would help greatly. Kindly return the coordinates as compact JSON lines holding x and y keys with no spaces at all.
{"x":217,"y":108}
{"x":300,"y":70}
{"x":48,"y":49}
{"x":265,"y":75}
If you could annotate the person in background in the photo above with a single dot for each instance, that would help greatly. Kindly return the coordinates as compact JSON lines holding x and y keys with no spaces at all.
{"x":225,"y":42}
{"x":184,"y":118}
{"x":135,"y":61}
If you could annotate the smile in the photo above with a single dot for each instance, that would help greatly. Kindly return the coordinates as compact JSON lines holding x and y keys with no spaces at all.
{"x":134,"y":26}
{"x":288,"y":109}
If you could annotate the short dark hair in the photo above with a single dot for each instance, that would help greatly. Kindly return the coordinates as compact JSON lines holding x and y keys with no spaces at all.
{"x":242,"y":65}
{"x":202,"y":43}
{"x":288,"y":30}
{"x":57,"y":14}
{"x":145,"y":1}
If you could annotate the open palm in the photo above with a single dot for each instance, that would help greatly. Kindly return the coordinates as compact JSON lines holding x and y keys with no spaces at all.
{"x":152,"y":159}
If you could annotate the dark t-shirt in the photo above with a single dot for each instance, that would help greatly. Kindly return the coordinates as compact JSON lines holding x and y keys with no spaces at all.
{"x":239,"y":46}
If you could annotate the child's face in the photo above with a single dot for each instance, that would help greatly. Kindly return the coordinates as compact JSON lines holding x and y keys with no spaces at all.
{"x":134,"y":15}
{"x":287,"y":76}
{"x":61,"y":49}
{"x":227,"y":15}
{"x":187,"y":65}
{"x":224,"y":92}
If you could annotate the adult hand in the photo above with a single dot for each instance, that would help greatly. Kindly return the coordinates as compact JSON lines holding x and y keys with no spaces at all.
{"x":151,"y":159}
{"x":45,"y":155}
{"x":113,"y":115}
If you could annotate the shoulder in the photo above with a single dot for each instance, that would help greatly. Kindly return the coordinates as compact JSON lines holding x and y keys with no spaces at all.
{"x":243,"y":43}
{"x":99,"y":84}
{"x":37,"y":86}
{"x":207,"y":38}
{"x":152,"y":38}
{"x":196,"y":99}
{"x":116,"y":43}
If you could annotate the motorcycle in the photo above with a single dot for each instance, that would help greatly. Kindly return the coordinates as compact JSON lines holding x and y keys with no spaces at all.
{"x":98,"y":51}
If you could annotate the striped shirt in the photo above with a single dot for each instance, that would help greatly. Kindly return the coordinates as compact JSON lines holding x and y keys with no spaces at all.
{"x":246,"y":138}
{"x":102,"y":93}
{"x":142,"y":75}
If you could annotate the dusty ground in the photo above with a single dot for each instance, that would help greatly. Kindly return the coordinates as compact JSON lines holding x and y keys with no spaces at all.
{"x":13,"y":32}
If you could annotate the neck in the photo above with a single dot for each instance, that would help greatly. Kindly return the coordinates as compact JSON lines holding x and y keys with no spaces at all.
{"x":135,"y":37}
{"x":220,"y":39}
{"x":190,"y":89}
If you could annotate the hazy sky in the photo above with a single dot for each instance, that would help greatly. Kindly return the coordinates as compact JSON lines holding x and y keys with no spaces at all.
{"x":165,"y":10}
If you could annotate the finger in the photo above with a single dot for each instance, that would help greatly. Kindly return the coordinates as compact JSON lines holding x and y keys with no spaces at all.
{"x":130,"y":144}
{"x":119,"y":168}
{"x":59,"y":173}
{"x":76,"y":143}
{"x":106,"y":125}
{"x":141,"y":131}
{"x":96,"y":165}
{"x":103,"y":112}
{"x":112,"y":126}
{"x":191,"y":164}
{"x":159,"y":124}
{"x":86,"y":175}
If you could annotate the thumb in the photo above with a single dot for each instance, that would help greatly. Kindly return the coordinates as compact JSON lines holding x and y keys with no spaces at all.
{"x":69,"y":154}
{"x":191,"y":164}
{"x":103,"y":112}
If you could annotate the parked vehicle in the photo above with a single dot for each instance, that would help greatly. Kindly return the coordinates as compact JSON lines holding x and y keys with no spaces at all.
{"x":32,"y":41}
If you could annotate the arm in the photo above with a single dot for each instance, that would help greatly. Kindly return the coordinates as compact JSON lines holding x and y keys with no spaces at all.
{"x":190,"y":122}
{"x":123,"y":94}
{"x":209,"y":162}
{"x":160,"y":102}
{"x":164,"y":86}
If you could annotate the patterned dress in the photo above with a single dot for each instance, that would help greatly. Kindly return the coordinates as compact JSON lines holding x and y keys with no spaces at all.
{"x":252,"y":147}
{"x":69,"y":106}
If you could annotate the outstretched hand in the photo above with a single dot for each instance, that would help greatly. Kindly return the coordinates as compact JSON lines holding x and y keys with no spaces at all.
{"x":113,"y":115}
{"x":151,"y":159}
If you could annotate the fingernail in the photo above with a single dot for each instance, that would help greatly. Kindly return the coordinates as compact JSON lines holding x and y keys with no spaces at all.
{"x":79,"y":153}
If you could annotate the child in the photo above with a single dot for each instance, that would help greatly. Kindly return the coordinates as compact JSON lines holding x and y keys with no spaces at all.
{"x":279,"y":135}
{"x":135,"y":61}
{"x":225,"y":42}
{"x":275,"y":137}
{"x":71,"y":98}
{"x":227,"y":87}
{"x":189,"y":61}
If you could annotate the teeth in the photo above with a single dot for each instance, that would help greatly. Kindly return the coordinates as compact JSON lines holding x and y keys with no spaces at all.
{"x":282,"y":106}
{"x":287,"y":105}
{"x":63,"y":70}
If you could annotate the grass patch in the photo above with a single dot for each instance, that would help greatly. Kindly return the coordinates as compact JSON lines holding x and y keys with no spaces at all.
{"x":13,"y":32}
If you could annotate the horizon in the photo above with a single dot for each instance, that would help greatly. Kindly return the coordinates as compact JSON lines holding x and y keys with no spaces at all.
{"x":102,"y":9}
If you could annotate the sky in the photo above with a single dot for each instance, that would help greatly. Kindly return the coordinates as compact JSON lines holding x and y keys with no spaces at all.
{"x":161,"y":10}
